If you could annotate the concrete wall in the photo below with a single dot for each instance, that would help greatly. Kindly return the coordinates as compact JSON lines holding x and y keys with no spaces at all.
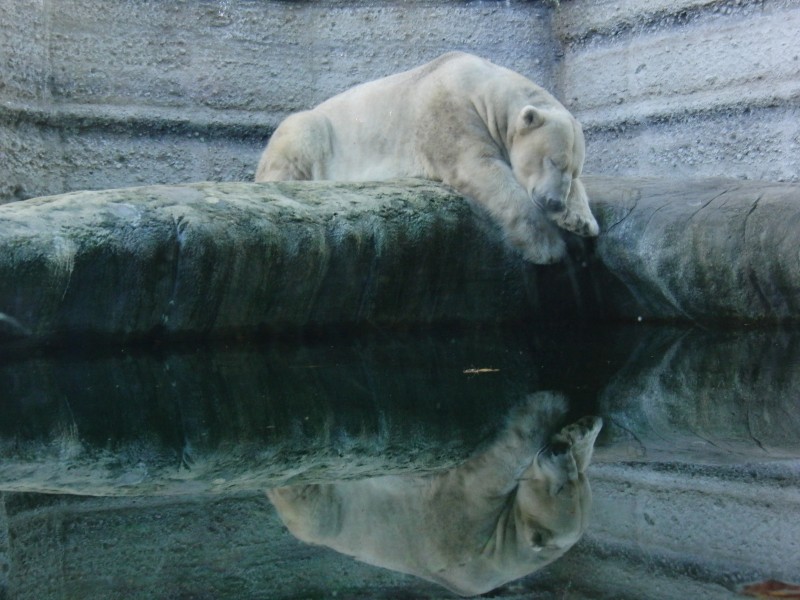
{"x":675,"y":531}
{"x":110,"y":94}
{"x":684,"y":88}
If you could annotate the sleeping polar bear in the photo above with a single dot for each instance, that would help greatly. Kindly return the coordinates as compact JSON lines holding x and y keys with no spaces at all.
{"x":488,"y":132}
{"x":501,"y":515}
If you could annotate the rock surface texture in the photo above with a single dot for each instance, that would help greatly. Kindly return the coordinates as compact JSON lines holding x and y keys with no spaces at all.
{"x":220,"y":259}
{"x":703,"y":249}
{"x":210,"y":260}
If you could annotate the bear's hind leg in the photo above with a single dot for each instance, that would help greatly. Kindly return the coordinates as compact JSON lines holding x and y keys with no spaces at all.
{"x":299,"y":150}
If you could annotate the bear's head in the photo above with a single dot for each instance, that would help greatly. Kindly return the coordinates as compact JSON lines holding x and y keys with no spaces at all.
{"x":546,"y":155}
{"x":553,"y":499}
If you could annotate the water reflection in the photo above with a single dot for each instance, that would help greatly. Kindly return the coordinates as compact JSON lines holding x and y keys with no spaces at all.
{"x":506,"y":512}
{"x":141,"y":474}
{"x":706,"y":397}
{"x":252,"y":417}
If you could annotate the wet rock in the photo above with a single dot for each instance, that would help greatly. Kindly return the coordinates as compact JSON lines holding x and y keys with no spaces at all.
{"x":220,"y":259}
{"x":701,"y":250}
{"x":214,"y":260}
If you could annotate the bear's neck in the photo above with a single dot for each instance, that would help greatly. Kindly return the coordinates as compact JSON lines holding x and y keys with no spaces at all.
{"x":499,"y":110}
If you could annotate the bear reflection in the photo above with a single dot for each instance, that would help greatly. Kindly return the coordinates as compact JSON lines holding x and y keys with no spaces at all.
{"x":502,"y":514}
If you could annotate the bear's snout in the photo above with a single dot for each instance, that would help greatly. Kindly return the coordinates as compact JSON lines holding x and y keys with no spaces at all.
{"x":548,"y":202}
{"x":554,"y":205}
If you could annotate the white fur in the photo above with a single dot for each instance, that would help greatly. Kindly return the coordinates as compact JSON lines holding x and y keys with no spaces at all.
{"x":488,"y":132}
{"x":501,"y":515}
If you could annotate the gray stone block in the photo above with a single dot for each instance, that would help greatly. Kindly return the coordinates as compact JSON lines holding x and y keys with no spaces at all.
{"x":217,"y":259}
{"x":683,"y":89}
{"x":702,"y":250}
{"x":214,"y":260}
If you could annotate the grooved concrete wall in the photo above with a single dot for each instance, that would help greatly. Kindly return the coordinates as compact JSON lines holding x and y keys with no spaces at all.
{"x":97,"y":94}
{"x":100,"y":94}
{"x":684,"y":88}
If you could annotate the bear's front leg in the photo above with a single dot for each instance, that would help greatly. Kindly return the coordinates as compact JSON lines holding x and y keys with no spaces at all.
{"x":495,"y":472}
{"x":491,"y":183}
{"x":537,"y":239}
{"x":579,"y":437}
{"x":577,"y":217}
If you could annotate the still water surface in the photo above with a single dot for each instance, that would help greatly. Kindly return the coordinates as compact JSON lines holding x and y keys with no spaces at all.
{"x":141,"y":473}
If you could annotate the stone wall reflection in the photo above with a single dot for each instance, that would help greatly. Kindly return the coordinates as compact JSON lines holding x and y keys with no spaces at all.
{"x":247,"y":418}
{"x":693,"y":492}
{"x":707,"y":397}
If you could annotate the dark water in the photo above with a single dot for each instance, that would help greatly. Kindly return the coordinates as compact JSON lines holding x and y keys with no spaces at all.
{"x":141,"y":472}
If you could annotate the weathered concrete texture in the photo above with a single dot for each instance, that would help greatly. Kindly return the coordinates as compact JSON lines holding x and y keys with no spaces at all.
{"x":99,"y":95}
{"x":208,"y":260}
{"x":705,"y":250}
{"x":221,"y":258}
{"x":689,"y":88}
{"x":672,"y":532}
{"x":213,"y":260}
{"x":47,"y":153}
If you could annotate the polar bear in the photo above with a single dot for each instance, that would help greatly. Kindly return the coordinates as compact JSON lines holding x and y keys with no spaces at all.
{"x":486,"y":131}
{"x":501,"y":515}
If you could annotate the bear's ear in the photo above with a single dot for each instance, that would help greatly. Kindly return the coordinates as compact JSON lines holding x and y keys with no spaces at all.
{"x":531,"y":118}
